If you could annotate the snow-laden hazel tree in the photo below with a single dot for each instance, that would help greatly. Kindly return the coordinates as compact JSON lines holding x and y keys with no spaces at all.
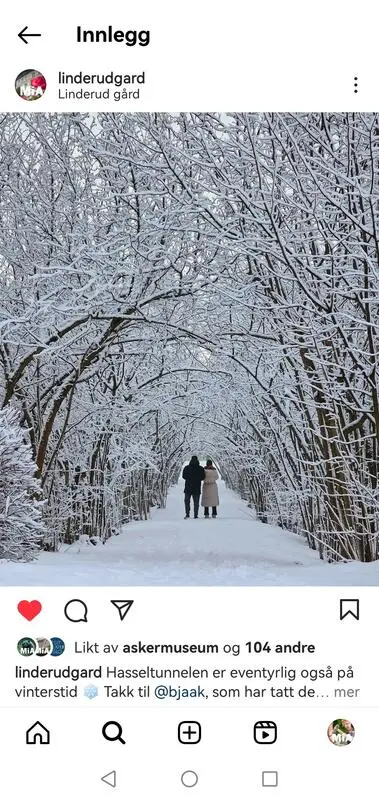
{"x":90,"y":267}
{"x":292,"y":202}
{"x":21,"y":527}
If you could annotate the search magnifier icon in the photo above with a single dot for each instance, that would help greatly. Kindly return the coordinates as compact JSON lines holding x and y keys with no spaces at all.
{"x":112,"y":732}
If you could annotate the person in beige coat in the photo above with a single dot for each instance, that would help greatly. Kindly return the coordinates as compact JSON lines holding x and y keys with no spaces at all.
{"x":209,"y":495}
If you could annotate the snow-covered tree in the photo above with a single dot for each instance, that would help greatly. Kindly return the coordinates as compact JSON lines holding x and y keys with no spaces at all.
{"x":21,"y":526}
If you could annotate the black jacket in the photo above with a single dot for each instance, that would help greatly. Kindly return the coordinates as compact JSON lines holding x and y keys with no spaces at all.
{"x":193,"y":474}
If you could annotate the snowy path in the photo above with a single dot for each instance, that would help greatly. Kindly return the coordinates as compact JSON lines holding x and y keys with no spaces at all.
{"x":233,"y":550}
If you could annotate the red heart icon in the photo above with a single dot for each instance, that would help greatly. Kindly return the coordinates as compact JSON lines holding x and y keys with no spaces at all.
{"x":29,"y":609}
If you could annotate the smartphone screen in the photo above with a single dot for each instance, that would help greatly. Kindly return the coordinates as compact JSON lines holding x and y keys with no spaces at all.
{"x":189,"y":415}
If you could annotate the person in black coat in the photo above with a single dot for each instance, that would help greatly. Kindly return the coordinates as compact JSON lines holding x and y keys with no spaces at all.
{"x":193,"y":474}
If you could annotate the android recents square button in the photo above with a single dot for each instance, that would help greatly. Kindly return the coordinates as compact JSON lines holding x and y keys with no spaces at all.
{"x":270,"y":778}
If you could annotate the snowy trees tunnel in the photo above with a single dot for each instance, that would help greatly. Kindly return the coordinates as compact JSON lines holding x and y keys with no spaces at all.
{"x":194,"y":283}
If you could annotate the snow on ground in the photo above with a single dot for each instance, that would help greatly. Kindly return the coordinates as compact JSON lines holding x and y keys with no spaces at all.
{"x":233,"y":550}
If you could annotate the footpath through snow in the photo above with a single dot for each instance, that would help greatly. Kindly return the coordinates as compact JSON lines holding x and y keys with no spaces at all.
{"x":167,"y":550}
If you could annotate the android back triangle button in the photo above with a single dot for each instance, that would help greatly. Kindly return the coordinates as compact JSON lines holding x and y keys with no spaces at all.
{"x":123,"y":606}
{"x":110,"y":779}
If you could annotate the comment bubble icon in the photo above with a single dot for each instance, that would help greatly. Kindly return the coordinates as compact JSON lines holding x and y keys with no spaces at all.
{"x":76,"y":611}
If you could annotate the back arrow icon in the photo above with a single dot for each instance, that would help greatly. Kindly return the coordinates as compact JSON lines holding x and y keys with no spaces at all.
{"x":23,"y":34}
{"x":110,"y":779}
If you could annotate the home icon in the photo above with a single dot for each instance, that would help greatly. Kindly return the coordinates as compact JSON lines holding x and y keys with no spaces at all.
{"x":37,"y":734}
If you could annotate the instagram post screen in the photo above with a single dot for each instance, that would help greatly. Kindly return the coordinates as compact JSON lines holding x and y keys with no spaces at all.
{"x":189,"y":401}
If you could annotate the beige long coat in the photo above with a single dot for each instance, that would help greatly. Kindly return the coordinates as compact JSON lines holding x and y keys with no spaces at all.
{"x":209,"y":495}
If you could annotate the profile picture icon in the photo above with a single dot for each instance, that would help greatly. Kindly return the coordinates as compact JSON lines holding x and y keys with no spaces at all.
{"x":341,"y":732}
{"x":44,"y":646}
{"x":26,"y":646}
{"x":30,"y":84}
{"x":58,"y":646}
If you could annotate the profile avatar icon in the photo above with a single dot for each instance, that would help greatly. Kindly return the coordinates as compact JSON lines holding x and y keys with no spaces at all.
{"x":43,"y":646}
{"x":58,"y":646}
{"x":341,"y":732}
{"x":30,"y":84}
{"x":26,"y":646}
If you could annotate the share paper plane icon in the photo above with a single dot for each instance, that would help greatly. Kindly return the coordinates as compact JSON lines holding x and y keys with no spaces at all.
{"x":110,"y":779}
{"x":123,"y":606}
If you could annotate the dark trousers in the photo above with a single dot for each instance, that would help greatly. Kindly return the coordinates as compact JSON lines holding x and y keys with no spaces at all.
{"x":187,"y":503}
{"x":214,"y":511}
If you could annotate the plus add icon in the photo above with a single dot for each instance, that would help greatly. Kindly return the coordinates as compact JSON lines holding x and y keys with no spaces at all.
{"x":189,"y":732}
